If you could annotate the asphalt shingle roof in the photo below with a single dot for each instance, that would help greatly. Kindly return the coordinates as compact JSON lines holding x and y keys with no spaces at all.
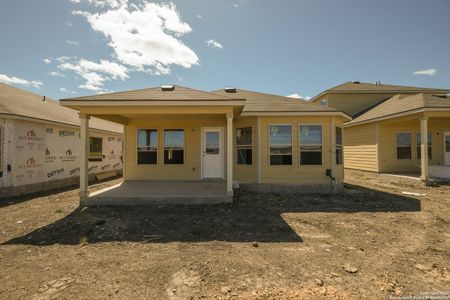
{"x":261,"y":102}
{"x":18,"y":102}
{"x":401,"y":103}
{"x":351,"y":86}
{"x":179,"y":93}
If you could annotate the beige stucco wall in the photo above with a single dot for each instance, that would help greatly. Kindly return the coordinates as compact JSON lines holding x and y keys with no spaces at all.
{"x":360,"y":148}
{"x":191,"y":169}
{"x":296,"y":173}
{"x":388,"y":154}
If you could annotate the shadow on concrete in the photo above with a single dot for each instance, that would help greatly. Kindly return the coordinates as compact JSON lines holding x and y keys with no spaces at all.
{"x":252,"y":217}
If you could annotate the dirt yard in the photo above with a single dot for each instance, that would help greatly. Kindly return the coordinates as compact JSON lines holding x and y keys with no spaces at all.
{"x":371,"y":242}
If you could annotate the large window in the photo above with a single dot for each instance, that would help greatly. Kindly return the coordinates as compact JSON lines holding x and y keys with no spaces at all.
{"x":173,"y":146}
{"x":404,"y":145}
{"x":338,"y":146}
{"x":419,"y":141}
{"x":310,"y":144}
{"x":95,"y":149}
{"x":244,"y":145}
{"x":280,"y":139}
{"x":147,"y":149}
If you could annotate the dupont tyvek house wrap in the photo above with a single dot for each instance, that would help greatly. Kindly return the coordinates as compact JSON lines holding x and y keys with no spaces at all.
{"x":40,"y":143}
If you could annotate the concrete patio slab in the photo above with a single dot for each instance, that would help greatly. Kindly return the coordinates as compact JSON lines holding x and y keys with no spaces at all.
{"x":143,"y":192}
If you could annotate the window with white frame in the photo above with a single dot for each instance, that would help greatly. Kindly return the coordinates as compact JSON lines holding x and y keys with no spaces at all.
{"x":310,"y":144}
{"x":404,"y":145}
{"x":418,"y":144}
{"x":173,"y":146}
{"x":280,"y":144}
{"x":244,"y":145}
{"x":339,"y":146}
{"x":147,"y":148}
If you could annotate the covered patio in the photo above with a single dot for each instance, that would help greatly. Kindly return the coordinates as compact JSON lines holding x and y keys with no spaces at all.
{"x":177,"y":145}
{"x":142,"y":192}
{"x":407,"y":129}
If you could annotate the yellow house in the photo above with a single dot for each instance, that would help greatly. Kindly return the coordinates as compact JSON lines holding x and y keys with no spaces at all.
{"x":182,"y":138}
{"x":388,"y":124}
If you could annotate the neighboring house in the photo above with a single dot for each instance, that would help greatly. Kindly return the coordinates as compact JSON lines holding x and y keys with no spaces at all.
{"x":40,"y":144}
{"x":261,"y":141}
{"x":387,"y":126}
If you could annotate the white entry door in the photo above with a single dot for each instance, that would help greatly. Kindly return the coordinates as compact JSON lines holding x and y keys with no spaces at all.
{"x":212,"y":153}
{"x":447,"y":148}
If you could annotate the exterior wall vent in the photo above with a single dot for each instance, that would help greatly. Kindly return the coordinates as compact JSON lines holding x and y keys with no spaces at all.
{"x":167,"y":88}
{"x":230,"y":90}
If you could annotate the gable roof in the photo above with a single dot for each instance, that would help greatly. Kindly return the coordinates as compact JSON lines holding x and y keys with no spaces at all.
{"x":401,"y":104}
{"x":364,"y":87}
{"x":22,"y":103}
{"x":257,"y":103}
{"x":178,"y":93}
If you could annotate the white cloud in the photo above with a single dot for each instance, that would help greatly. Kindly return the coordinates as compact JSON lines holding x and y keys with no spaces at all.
{"x":298,"y":96}
{"x":15,"y":80}
{"x":145,"y":37}
{"x":56,"y":74}
{"x":47,"y":60}
{"x":69,"y":24}
{"x":94,"y":74}
{"x":214,"y":44}
{"x":104,"y":3}
{"x":199,"y":16}
{"x":239,"y":3}
{"x":64,"y":90}
{"x":428,"y":72}
{"x":74,"y":43}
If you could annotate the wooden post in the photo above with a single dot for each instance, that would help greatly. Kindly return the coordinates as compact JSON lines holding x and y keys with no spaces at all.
{"x":424,"y":149}
{"x":84,"y":178}
{"x":229,"y":154}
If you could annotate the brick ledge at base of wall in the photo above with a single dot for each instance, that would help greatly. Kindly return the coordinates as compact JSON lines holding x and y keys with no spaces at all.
{"x":275,"y":188}
{"x":28,"y":189}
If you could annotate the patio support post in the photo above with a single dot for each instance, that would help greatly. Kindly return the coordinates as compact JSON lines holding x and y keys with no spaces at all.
{"x":84,"y":128}
{"x":424,"y":149}
{"x":229,"y":154}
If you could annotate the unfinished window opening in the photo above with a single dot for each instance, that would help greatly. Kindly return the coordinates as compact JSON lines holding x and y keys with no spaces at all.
{"x":310,"y":144}
{"x":280,"y":140}
{"x":404,"y":145}
{"x":147,"y":150}
{"x":244,"y":145}
{"x":173,"y":146}
{"x":95,"y":149}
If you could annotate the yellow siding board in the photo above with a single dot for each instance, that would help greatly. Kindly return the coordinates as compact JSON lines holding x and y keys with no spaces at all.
{"x":360,"y":148}
{"x":388,"y":149}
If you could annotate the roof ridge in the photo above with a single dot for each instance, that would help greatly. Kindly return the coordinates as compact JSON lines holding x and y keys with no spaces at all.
{"x":219,"y":97}
{"x":206,"y":92}
{"x":268,"y":94}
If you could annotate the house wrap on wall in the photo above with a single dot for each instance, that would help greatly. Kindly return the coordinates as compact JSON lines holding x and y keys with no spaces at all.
{"x":40,"y":144}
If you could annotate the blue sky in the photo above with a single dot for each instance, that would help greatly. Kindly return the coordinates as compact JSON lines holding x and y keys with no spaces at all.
{"x":65,"y":48}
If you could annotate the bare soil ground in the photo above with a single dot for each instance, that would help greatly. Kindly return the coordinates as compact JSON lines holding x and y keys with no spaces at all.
{"x":371,"y":242}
